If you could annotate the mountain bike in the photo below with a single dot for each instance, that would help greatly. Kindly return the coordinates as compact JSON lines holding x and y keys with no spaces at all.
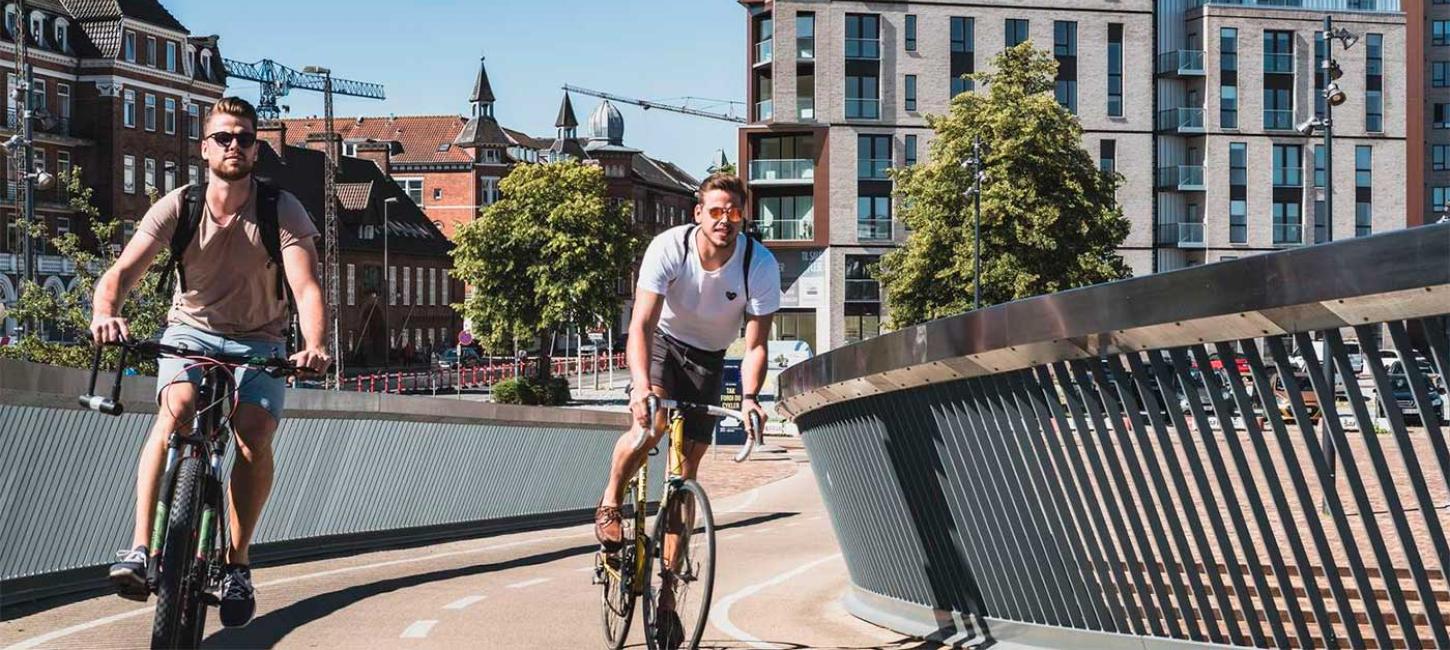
{"x":188,"y":539}
{"x":683,"y":540}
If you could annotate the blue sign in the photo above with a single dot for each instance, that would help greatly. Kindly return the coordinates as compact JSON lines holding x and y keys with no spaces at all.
{"x":730,"y":431}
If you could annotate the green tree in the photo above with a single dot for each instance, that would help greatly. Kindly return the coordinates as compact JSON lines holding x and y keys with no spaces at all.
{"x":549,"y":253}
{"x":67,"y":315}
{"x":1050,"y":218}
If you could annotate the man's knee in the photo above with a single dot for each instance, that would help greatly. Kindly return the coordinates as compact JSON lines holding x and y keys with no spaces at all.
{"x":254,"y":427}
{"x":176,"y":410}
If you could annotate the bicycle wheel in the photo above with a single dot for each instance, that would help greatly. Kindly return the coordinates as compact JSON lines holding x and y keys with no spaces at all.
{"x":616,"y":574}
{"x":677,"y":601}
{"x":180,"y":613}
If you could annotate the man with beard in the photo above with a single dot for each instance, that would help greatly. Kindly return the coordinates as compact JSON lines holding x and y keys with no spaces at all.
{"x":229,"y":300}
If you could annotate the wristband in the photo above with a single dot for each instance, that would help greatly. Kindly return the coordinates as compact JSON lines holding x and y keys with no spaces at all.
{"x":754,"y":397}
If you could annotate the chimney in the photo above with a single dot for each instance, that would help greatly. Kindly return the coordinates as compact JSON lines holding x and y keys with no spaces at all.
{"x":381,"y":153}
{"x":274,"y":133}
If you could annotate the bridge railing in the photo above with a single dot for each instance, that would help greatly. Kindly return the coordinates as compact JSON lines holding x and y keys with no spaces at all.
{"x":1155,"y":462}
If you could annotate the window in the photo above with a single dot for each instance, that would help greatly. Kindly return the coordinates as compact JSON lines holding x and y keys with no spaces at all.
{"x":193,"y":121}
{"x":1238,"y":192}
{"x":1440,"y":32}
{"x":1278,"y":106}
{"x":419,"y":284}
{"x":407,"y":284}
{"x":863,"y":299}
{"x":414,"y":188}
{"x":151,"y":52}
{"x":193,"y":174}
{"x":38,"y":97}
{"x":1363,"y":190}
{"x":128,"y":46}
{"x":62,"y":101}
{"x":170,"y":175}
{"x":437,"y":194}
{"x":1318,"y":165}
{"x":128,"y":174}
{"x":1441,"y":156}
{"x":764,"y":39}
{"x":910,"y":38}
{"x":863,"y":36}
{"x":1278,"y":52}
{"x":1016,"y":31}
{"x":1440,"y":115}
{"x":1317,"y":73}
{"x":873,"y":157}
{"x":1115,"y":69}
{"x":444,"y":288}
{"x":150,"y":112}
{"x":873,"y":217}
{"x":489,"y":155}
{"x":1064,"y":48}
{"x":206,"y":64}
{"x":170,"y":56}
{"x":1440,"y":74}
{"x":39,"y":161}
{"x":62,"y":165}
{"x":62,"y":226}
{"x":910,"y":150}
{"x":433,"y":286}
{"x":490,"y":191}
{"x":863,"y":97}
{"x":1288,"y":217}
{"x":805,"y":35}
{"x":1228,"y":66}
{"x":351,"y":285}
{"x":392,"y":285}
{"x":12,"y":24}
{"x":1288,"y":165}
{"x":62,"y":35}
{"x":963,"y":54}
{"x":1108,"y":156}
{"x":170,"y":115}
{"x":150,"y":174}
{"x":1439,"y":198}
{"x":910,"y":100}
{"x":1374,"y":91}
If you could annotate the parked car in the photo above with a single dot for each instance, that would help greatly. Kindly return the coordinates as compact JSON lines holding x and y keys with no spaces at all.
{"x":1404,"y":396}
{"x":1301,"y":384}
{"x":1356,"y":358}
{"x":449,"y":358}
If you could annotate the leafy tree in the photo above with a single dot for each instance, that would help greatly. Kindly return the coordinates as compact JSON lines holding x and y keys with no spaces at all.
{"x":549,"y":253}
{"x":1050,"y":218}
{"x":68,"y":314}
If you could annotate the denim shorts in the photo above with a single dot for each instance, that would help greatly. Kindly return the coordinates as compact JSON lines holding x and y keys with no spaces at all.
{"x":253,"y":386}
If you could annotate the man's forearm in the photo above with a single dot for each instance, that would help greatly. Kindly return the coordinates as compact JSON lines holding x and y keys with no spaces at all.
{"x":752,"y":370}
{"x":106,"y":302}
{"x":638,"y":353}
{"x":313,"y":317}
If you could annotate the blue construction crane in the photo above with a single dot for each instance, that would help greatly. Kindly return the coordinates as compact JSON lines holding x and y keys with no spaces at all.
{"x":277,"y":80}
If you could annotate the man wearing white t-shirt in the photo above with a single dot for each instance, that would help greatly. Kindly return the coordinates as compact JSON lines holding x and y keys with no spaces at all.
{"x":692,"y":297}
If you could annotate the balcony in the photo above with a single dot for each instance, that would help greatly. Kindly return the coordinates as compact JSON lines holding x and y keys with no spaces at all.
{"x":1288,"y":234}
{"x":1181,"y":120}
{"x":764,"y":51}
{"x":805,"y":49}
{"x":789,"y":230}
{"x":782,"y":172}
{"x":1182,"y":235}
{"x":868,"y":229}
{"x":764,"y":110}
{"x":863,"y":109}
{"x":1184,"y":178}
{"x":868,"y":49}
{"x":873,"y":169}
{"x":57,"y":126}
{"x":1182,"y":63}
{"x":58,"y":194}
{"x":1366,"y":6}
{"x":1278,"y":119}
{"x":863,"y":291}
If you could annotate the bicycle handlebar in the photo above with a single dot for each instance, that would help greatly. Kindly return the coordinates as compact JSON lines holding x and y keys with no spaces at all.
{"x":755,"y":430}
{"x":276,"y":367}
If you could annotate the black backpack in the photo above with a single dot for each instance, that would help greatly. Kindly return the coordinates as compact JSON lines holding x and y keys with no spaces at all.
{"x":751,"y":239}
{"x":193,"y":205}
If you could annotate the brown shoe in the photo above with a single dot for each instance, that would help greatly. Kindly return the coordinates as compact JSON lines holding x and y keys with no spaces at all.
{"x":609,"y":528}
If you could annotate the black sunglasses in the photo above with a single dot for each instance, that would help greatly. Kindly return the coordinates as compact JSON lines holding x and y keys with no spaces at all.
{"x":224,"y":139}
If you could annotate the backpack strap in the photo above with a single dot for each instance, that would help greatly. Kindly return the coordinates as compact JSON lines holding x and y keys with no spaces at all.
{"x":193,"y":202}
{"x":267,"y":223}
{"x":749,"y":255}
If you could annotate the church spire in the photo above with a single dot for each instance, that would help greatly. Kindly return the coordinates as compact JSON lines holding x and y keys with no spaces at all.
{"x":566,"y":122}
{"x":482,"y":97}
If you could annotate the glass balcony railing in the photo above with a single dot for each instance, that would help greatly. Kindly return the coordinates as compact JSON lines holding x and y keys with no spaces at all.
{"x":764,"y":110}
{"x":805,"y":107}
{"x":789,"y":230}
{"x":1278,"y":119}
{"x":1368,"y":6}
{"x":871,"y":229}
{"x":863,"y":48}
{"x":1183,"y":235}
{"x":1181,"y":63}
{"x":782,"y":171}
{"x":764,"y":51}
{"x":1181,"y":177}
{"x":1181,"y":120}
{"x":873,"y":169}
{"x":863,"y":109}
{"x":1288,"y":234}
{"x":805,"y":48}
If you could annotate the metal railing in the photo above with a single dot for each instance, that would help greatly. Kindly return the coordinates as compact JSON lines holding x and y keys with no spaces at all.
{"x":874,"y":229}
{"x":764,"y":51}
{"x":1181,"y":62}
{"x":1186,"y":234}
{"x":1181,"y":120}
{"x":1369,"y":6}
{"x":1070,"y":472}
{"x":873,"y":168}
{"x":1181,"y":177}
{"x":764,"y":110}
{"x":863,"y":48}
{"x":791,"y":171}
{"x":788,"y":230}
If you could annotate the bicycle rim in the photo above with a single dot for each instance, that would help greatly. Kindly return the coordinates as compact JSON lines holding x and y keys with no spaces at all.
{"x":618,"y":598}
{"x":686,"y":576}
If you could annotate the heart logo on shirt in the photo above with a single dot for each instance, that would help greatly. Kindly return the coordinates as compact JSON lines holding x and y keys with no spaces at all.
{"x":730,"y":295}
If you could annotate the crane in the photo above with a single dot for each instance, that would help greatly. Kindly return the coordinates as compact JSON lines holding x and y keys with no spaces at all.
{"x":646,"y":104}
{"x":277,"y":80}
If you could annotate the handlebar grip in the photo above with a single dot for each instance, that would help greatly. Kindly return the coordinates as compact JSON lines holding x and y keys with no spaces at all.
{"x":754,"y":432}
{"x":652,"y":407}
{"x":102,"y":404}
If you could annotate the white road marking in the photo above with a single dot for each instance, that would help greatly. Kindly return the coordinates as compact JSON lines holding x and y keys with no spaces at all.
{"x":720,"y":614}
{"x":418,"y":630}
{"x":81,"y":627}
{"x":464,"y":602}
{"x":529,"y":583}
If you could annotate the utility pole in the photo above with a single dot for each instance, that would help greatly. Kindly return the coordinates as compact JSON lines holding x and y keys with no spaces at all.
{"x":329,"y":191}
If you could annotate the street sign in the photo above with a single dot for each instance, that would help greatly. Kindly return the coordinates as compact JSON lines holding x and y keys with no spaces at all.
{"x":465,"y":338}
{"x":596,"y":337}
{"x":730,"y":431}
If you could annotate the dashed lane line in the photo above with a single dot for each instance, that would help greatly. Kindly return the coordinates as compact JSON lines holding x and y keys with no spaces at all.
{"x":529,"y":583}
{"x":464,"y":602}
{"x":418,"y":630}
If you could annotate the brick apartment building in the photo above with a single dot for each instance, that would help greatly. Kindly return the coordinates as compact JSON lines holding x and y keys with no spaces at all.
{"x":124,"y":85}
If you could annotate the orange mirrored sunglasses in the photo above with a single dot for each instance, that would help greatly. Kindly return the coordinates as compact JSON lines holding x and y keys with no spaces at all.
{"x":734,"y":215}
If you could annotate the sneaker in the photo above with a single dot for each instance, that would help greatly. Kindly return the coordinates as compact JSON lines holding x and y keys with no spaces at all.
{"x":239,"y":599}
{"x":129,"y":574}
{"x":609,"y":528}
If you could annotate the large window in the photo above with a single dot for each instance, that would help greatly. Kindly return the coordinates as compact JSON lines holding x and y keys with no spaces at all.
{"x":1440,"y":154}
{"x":1017,"y":31}
{"x":1374,"y":91}
{"x":170,"y":115}
{"x":873,"y":156}
{"x":1115,"y":70}
{"x":786,"y":218}
{"x":863,"y":36}
{"x":1278,"y":80}
{"x":169,"y":175}
{"x":1238,"y":193}
{"x":170,"y":56}
{"x":1288,"y":165}
{"x":150,"y":174}
{"x":150,"y":112}
{"x":1278,"y":52}
{"x":414,"y":188}
{"x":128,"y":174}
{"x":1228,"y":73}
{"x":963,"y":54}
{"x":62,"y":101}
{"x":128,"y":46}
{"x":128,"y":108}
{"x":910,"y":39}
{"x":1064,"y":49}
{"x":910,"y":150}
{"x":193,"y":121}
{"x":1108,"y":156}
{"x":1440,"y":32}
{"x":863,"y":299}
{"x":1363,"y":190}
{"x":863,"y":97}
{"x":873,"y":217}
{"x":1288,"y":214}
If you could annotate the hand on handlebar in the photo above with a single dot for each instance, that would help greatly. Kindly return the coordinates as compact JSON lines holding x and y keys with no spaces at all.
{"x":639,"y":407}
{"x":109,"y":329}
{"x":314,"y":359}
{"x":754,"y":426}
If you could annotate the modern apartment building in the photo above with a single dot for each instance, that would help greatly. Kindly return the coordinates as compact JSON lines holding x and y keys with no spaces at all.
{"x":1194,"y":102}
{"x":1428,"y":68}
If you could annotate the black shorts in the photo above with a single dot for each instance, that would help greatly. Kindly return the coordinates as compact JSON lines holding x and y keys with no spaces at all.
{"x":688,"y":374}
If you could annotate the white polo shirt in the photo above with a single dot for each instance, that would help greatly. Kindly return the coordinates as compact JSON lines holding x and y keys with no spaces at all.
{"x":705,"y":309}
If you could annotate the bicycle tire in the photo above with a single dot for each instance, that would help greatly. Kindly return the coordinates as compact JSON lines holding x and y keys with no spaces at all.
{"x":180,"y":614}
{"x":618,"y":598}
{"x":694,"y":575}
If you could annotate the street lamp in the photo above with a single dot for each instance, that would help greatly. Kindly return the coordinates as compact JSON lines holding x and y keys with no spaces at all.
{"x":975,"y":163}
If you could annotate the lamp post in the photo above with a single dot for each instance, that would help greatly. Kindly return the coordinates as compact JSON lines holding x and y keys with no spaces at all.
{"x":387,"y":281}
{"x":975,"y":162}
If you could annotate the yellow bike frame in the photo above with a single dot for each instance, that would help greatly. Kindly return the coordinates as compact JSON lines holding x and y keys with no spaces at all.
{"x":641,"y":503}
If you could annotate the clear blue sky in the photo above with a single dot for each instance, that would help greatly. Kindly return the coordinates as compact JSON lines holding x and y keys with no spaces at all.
{"x":425,"y":53}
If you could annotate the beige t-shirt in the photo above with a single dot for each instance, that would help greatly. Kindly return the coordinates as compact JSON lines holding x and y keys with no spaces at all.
{"x":231,"y":285}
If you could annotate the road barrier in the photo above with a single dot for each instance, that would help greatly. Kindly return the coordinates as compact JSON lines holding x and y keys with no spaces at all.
{"x":354,"y":471}
{"x":1058,"y":472}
